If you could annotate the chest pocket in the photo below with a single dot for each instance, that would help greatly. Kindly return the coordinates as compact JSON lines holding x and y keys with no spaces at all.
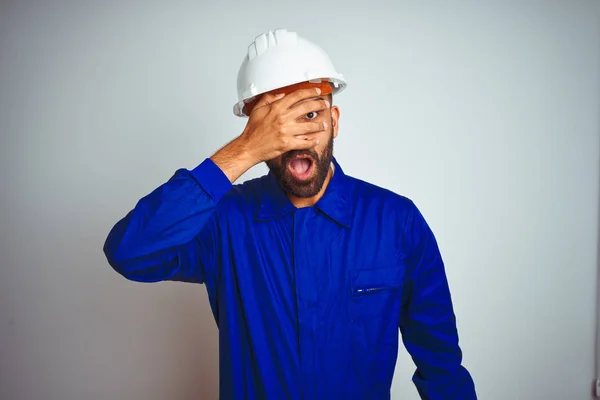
{"x":375,"y":292}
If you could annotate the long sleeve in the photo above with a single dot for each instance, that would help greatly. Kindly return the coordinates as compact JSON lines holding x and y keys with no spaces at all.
{"x":171,"y":233}
{"x":428,"y":323}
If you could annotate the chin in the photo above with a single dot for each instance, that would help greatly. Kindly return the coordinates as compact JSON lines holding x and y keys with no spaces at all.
{"x":302,"y":188}
{"x":302,"y":191}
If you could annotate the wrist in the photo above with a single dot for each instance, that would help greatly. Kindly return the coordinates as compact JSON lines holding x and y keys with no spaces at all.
{"x":242,"y":151}
{"x":234,"y":159}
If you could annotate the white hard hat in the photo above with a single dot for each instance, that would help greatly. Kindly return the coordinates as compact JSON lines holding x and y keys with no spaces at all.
{"x":281,"y":58}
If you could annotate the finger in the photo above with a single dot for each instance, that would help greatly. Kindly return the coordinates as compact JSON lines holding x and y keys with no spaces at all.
{"x":303,"y":144}
{"x":303,"y":128}
{"x":298,"y":95}
{"x":266,"y":100}
{"x":308,"y":107}
{"x":306,"y":136}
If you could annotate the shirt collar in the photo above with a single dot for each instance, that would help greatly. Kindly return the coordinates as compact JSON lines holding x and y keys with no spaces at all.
{"x":336,"y":203}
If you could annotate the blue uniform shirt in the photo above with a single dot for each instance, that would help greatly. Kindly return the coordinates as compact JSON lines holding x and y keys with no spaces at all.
{"x":309,"y":302}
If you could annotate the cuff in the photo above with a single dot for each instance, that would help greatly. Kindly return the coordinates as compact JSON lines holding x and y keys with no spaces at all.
{"x":212,"y":179}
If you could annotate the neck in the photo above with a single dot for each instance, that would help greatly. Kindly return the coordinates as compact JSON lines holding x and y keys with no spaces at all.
{"x":301,"y":202}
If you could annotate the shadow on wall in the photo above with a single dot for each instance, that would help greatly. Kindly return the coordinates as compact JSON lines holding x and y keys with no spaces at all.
{"x":596,"y":381}
{"x":195,"y":341}
{"x":183,"y":340}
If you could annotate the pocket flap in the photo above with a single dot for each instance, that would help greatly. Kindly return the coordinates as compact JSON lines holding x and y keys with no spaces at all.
{"x":375,"y":280}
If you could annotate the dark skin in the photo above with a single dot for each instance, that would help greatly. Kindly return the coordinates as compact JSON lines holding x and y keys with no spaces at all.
{"x":302,"y":122}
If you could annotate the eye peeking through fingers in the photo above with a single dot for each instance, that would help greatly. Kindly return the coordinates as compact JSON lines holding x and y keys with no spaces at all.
{"x":311,"y":115}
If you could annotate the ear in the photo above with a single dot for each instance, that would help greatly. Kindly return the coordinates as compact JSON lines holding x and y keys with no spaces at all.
{"x":335,"y":116}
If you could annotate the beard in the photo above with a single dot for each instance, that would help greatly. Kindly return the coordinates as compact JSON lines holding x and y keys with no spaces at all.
{"x":305,"y":188}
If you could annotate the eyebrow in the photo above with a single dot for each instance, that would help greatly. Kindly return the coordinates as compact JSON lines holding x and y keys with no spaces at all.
{"x":310,"y":99}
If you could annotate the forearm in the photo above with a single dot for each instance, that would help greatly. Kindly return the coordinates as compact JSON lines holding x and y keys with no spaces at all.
{"x":428,"y":322}
{"x":234,"y":159}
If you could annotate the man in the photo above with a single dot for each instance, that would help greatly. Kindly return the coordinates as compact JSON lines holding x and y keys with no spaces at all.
{"x":310,"y":273}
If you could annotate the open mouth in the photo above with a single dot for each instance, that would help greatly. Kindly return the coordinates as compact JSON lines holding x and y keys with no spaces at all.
{"x":301,"y":167}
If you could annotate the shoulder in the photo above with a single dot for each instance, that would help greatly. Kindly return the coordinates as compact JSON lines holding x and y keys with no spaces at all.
{"x":397,"y":214}
{"x":244,"y":195}
{"x":396,"y":211}
{"x":369,"y":195}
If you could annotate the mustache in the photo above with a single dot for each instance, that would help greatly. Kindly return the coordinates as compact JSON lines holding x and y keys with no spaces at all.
{"x":296,"y":153}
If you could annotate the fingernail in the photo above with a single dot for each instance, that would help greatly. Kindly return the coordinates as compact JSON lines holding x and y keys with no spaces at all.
{"x":326,"y":103}
{"x":318,"y":90}
{"x":317,"y":141}
{"x":279,"y":95}
{"x":324,"y":125}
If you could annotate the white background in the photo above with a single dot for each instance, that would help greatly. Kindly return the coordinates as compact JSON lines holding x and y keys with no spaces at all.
{"x":486,"y":114}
